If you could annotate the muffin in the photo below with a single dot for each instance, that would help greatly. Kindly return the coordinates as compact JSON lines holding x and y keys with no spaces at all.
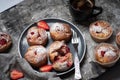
{"x":60,"y":31}
{"x":36,"y":55}
{"x":118,"y":39}
{"x":60,"y":56}
{"x":36,"y":36}
{"x":5,"y":41}
{"x":106,"y":54}
{"x":100,"y":31}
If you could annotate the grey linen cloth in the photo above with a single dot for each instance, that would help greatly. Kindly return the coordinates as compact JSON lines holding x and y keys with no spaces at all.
{"x":11,"y":61}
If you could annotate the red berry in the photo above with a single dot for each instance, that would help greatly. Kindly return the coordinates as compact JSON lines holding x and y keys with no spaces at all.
{"x":67,"y":49}
{"x":32,"y":33}
{"x":96,"y":24}
{"x":3,"y":41}
{"x":102,"y":53}
{"x":69,"y":63}
{"x":39,"y":35}
{"x":56,"y":58}
{"x":46,"y":68}
{"x":15,"y":74}
{"x":43,"y":24}
{"x":35,"y":53}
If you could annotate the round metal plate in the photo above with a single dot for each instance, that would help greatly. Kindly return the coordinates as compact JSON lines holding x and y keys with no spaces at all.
{"x":23,"y":45}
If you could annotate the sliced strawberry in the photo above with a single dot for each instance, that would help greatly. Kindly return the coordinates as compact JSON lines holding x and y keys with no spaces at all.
{"x":43,"y":24}
{"x":46,"y":68}
{"x":102,"y":53}
{"x":15,"y":74}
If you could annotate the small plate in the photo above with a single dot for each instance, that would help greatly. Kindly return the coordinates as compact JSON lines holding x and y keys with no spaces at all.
{"x":23,"y":45}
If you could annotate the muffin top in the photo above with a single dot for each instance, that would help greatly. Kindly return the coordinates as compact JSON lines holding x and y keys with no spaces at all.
{"x":105,"y":53}
{"x":56,"y":49}
{"x":100,"y":29}
{"x":5,"y":40}
{"x":60,"y":31}
{"x":36,"y":36}
{"x":36,"y":54}
{"x":60,"y":56}
{"x":60,"y":27}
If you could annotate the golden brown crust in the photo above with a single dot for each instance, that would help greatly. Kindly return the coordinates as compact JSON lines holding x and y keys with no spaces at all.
{"x":5,"y":41}
{"x":60,"y":65}
{"x":36,"y":36}
{"x":36,"y":56}
{"x":118,"y":39}
{"x":60,"y":31}
{"x":100,"y":30}
{"x":60,"y":56}
{"x":106,"y":53}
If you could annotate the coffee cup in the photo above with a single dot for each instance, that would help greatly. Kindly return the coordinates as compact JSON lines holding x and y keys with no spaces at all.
{"x":82,"y":10}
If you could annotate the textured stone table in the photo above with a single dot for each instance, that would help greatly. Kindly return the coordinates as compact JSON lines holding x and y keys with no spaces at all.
{"x":17,"y":18}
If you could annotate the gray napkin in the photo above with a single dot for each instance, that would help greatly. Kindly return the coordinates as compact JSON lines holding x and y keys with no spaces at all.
{"x":10,"y":61}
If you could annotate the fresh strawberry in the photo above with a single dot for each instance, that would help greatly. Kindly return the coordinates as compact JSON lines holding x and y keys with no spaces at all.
{"x":15,"y":74}
{"x":43,"y":24}
{"x":46,"y":68}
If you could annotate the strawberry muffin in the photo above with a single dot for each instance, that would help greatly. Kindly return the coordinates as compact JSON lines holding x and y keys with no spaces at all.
{"x":118,"y":39}
{"x":36,"y":36}
{"x":100,"y":30}
{"x":60,"y":31}
{"x":60,"y":56}
{"x":36,"y":56}
{"x":5,"y":41}
{"x":106,"y":54}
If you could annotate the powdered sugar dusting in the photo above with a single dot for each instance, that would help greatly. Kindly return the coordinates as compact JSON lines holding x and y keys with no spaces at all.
{"x":39,"y":58}
{"x":55,"y":47}
{"x":96,"y":28}
{"x":105,"y":31}
{"x":62,"y":65}
{"x":32,"y":30}
{"x":40,"y":50}
{"x":43,"y":34}
{"x":41,"y":53}
{"x":57,"y":26}
{"x":108,"y":51}
{"x":101,"y":49}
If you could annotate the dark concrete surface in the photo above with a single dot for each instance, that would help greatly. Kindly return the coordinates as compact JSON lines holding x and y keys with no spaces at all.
{"x":17,"y":18}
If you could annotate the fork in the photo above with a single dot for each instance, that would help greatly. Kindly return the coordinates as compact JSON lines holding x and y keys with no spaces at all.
{"x":75,"y":42}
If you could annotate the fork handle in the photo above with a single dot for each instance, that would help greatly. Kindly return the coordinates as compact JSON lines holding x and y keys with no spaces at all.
{"x":77,"y":68}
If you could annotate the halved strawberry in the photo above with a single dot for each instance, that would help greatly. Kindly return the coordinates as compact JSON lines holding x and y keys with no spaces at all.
{"x":15,"y":74}
{"x":43,"y":24}
{"x":46,"y":68}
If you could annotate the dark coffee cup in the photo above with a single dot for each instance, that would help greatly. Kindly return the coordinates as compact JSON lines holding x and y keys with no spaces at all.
{"x":85,"y":11}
